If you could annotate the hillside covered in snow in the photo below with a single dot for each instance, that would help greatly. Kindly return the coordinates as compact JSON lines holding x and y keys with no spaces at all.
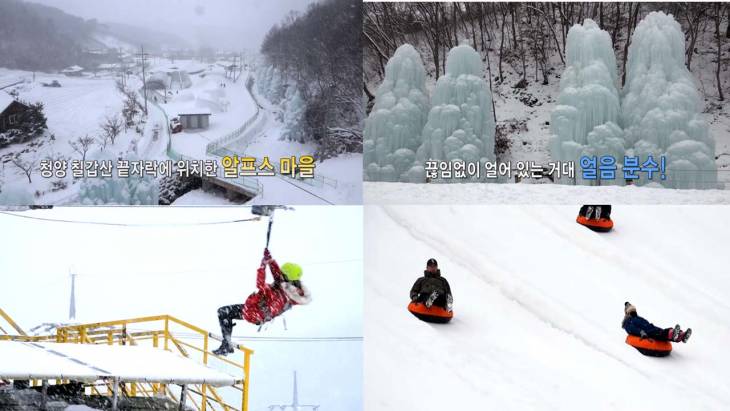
{"x":538,"y":305}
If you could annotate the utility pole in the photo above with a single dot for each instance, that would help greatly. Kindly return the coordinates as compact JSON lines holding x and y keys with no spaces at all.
{"x":143,"y":57}
{"x":72,"y":305}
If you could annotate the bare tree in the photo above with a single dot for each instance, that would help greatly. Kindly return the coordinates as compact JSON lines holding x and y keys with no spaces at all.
{"x":718,"y":18}
{"x":82,"y":145}
{"x":112,"y":126}
{"x":693,"y":14}
{"x":25,"y":167}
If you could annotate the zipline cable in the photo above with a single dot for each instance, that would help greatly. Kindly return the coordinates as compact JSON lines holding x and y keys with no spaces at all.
{"x":102,"y":223}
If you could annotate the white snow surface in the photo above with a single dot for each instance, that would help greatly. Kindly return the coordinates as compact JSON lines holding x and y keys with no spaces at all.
{"x":538,"y":303}
{"x":479,"y":193}
{"x":90,"y":362}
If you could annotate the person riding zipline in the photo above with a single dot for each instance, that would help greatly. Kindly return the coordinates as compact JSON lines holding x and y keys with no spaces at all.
{"x":640,"y":327}
{"x":270,"y":301}
{"x":432,"y":288}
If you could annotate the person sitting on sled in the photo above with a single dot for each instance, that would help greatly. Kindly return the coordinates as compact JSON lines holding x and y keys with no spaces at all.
{"x":640,"y":327}
{"x":270,"y":301}
{"x":595,"y":212}
{"x":432,"y":288}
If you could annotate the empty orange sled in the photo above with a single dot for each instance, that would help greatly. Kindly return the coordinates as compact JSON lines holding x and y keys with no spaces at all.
{"x":601,"y":225}
{"x":650,"y":347}
{"x":431,"y":315}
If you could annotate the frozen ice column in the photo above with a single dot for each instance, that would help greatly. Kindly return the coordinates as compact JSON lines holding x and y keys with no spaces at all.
{"x":661,"y":107}
{"x":393,"y":129}
{"x":585,"y":121}
{"x":460,"y":125}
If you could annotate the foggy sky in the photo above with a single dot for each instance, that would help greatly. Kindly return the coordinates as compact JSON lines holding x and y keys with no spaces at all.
{"x":232,"y":24}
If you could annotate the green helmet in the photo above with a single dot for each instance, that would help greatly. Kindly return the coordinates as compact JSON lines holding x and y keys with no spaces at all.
{"x":292,"y":272}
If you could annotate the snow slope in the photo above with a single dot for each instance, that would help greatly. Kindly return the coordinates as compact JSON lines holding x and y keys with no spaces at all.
{"x":479,"y":193}
{"x":538,"y":302}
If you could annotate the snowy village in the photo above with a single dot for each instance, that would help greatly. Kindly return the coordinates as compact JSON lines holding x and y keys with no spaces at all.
{"x":555,"y":102}
{"x":194,"y":104}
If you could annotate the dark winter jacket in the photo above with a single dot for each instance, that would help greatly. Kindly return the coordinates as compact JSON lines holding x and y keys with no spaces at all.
{"x":429,"y":283}
{"x":634,"y":325}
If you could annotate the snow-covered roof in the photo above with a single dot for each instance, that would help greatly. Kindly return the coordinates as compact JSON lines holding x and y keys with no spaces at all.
{"x":72,"y":69}
{"x":195,"y":112}
{"x":90,"y":362}
{"x":5,"y":100}
{"x":187,"y":108}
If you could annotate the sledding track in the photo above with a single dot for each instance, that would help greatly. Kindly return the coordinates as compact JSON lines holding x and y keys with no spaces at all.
{"x":538,"y":305}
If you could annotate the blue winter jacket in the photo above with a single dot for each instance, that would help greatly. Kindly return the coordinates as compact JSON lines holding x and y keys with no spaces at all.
{"x":635,"y":324}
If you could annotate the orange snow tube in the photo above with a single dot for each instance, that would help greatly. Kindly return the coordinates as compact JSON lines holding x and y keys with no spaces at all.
{"x":650,"y":347}
{"x":602,"y":225}
{"x":432,"y":315}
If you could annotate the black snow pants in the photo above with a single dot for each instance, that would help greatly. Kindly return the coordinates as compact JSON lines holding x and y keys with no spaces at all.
{"x":227,"y":314}
{"x":659,"y":334}
{"x":440,"y":301}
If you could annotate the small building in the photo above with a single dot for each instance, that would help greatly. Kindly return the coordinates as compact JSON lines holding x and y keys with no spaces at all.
{"x":195,"y":119}
{"x":73,"y":71}
{"x":11,"y":111}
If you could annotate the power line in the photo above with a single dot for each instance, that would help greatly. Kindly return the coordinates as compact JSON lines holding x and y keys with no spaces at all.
{"x":59,"y":220}
{"x":221,"y":271}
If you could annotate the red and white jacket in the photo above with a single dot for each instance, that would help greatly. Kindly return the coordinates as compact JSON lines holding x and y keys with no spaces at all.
{"x":271,"y":300}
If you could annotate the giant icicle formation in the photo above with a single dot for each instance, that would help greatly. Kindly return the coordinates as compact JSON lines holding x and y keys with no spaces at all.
{"x":661,"y":106}
{"x":132,"y":190}
{"x":393,"y":129}
{"x":460,"y":125}
{"x":585,"y":121}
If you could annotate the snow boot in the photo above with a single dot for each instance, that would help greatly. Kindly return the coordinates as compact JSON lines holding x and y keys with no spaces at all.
{"x":589,"y":212}
{"x":431,"y":298}
{"x":449,"y":303}
{"x":684,"y":335}
{"x":226,"y":345}
{"x":674,"y":333}
{"x":225,"y":349}
{"x":598,"y":212}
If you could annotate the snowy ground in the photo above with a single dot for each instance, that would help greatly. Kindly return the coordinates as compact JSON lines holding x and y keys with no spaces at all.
{"x":230,"y":106}
{"x":189,"y":271}
{"x":343,"y":173}
{"x":544,"y":332}
{"x":485,"y":193}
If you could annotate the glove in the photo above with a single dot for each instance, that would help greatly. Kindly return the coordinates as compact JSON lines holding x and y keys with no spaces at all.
{"x":643,"y":334}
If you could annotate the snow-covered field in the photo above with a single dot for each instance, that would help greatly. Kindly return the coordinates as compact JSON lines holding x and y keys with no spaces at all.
{"x":482,"y":193}
{"x":76,"y":109}
{"x":188,"y":271}
{"x":538,"y":303}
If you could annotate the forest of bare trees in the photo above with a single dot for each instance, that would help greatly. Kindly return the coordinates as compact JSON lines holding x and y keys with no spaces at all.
{"x":529,"y":38}
{"x":320,"y":50}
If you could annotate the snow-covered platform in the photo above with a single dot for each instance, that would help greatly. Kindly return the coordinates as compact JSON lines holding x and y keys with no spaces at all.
{"x":91,"y":362}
